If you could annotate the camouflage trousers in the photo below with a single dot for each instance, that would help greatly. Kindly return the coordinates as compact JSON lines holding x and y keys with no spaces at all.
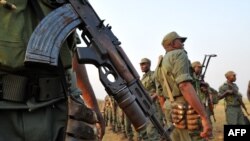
{"x":234,"y":115}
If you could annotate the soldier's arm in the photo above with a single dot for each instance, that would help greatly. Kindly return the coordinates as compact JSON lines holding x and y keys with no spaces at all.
{"x":189,"y":94}
{"x":224,"y":94}
{"x":88,"y":93}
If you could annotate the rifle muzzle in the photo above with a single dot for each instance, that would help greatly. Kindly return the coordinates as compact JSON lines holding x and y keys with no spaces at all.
{"x":127,"y":102}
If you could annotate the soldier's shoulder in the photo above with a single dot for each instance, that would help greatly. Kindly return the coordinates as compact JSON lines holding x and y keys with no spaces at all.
{"x":223,"y":85}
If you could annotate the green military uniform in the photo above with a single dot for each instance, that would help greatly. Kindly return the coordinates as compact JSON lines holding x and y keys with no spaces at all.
{"x":128,"y":128}
{"x":234,"y":113}
{"x":107,"y":111}
{"x":116,"y":125}
{"x":148,"y":81}
{"x":176,"y":68}
{"x":205,"y":99}
{"x":119,"y":121}
{"x":32,"y":101}
{"x":122,"y":121}
{"x":211,"y":97}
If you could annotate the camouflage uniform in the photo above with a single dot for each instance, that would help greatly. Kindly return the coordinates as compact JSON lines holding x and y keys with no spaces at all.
{"x":148,"y":82}
{"x":107,"y":111}
{"x":195,"y":135}
{"x":234,"y":113}
{"x":248,"y":90}
{"x":116,"y":116}
{"x":129,"y":129}
{"x":123,"y":126}
{"x":208,"y":98}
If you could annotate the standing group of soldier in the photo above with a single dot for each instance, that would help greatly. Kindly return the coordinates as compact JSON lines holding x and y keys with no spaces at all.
{"x":181,"y":97}
{"x":35,"y":103}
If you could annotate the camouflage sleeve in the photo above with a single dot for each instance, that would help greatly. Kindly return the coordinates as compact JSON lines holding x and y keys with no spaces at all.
{"x":214,"y":95}
{"x":222,"y":89}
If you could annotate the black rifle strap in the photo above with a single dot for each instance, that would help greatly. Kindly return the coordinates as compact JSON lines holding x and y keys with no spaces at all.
{"x":40,"y":15}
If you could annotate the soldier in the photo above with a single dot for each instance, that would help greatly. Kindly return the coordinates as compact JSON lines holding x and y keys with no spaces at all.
{"x":208,"y":100}
{"x":204,"y":97}
{"x":129,"y":129}
{"x":209,"y":97}
{"x":119,"y":120}
{"x":173,"y":73}
{"x":107,"y":111}
{"x":197,"y":70}
{"x":115,"y":115}
{"x":233,"y":99}
{"x":148,"y":81}
{"x":33,"y":100}
{"x":248,"y":91}
{"x":122,"y":119}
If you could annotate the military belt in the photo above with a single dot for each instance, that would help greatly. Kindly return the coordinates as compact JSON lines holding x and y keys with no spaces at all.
{"x":21,"y":88}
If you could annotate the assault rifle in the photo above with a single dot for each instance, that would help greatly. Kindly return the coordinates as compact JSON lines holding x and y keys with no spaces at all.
{"x":211,"y":108}
{"x":205,"y":61}
{"x":116,"y":72}
{"x":239,"y":99}
{"x":202,"y":76}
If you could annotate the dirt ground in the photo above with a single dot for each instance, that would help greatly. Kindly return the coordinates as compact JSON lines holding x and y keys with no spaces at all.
{"x":217,"y":126}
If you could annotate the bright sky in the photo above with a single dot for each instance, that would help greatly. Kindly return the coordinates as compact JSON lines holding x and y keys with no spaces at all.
{"x":219,"y":27}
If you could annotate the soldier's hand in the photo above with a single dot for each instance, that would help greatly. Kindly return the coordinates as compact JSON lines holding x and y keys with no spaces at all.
{"x":83,"y":122}
{"x":207,"y":128}
{"x":154,"y":96}
{"x":100,"y":131}
{"x":100,"y":125}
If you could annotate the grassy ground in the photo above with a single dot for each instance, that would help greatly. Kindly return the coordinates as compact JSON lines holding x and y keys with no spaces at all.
{"x":217,"y":126}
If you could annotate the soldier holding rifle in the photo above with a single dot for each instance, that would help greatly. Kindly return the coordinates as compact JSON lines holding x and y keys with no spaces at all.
{"x":204,"y":93}
{"x":230,"y":92}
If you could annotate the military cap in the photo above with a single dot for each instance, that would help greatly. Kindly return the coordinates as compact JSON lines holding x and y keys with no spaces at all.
{"x":172,"y":36}
{"x":229,"y":73}
{"x":145,"y":60}
{"x":196,"y":64}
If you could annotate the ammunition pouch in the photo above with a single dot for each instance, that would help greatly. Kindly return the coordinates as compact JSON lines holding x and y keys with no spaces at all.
{"x":81,"y":121}
{"x":19,"y":88}
{"x":184,"y":116}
